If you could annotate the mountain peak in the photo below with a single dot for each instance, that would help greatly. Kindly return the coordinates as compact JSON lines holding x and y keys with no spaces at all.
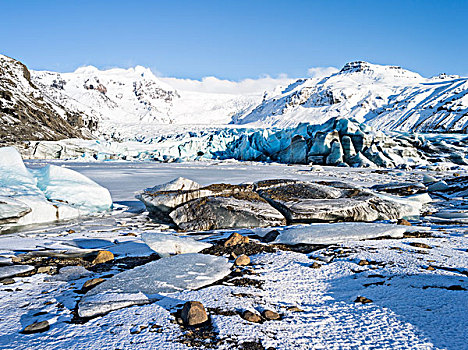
{"x":377,"y":70}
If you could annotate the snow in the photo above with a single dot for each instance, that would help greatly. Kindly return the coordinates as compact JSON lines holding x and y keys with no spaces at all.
{"x":338,"y":233}
{"x":412,"y":307}
{"x":150,"y":281}
{"x":165,"y":244}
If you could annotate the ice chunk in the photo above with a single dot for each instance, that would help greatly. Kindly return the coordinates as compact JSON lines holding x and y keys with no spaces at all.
{"x":13,"y":270}
{"x":179,"y":184}
{"x":148,"y":282}
{"x":51,"y":193}
{"x":438,"y":186}
{"x":166,"y":244}
{"x":222,"y":212}
{"x":337,"y":233}
{"x":11,"y":210}
{"x":70,"y":273}
{"x":68,"y":186}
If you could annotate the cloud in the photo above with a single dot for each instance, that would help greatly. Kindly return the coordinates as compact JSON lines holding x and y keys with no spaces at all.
{"x":321,"y":72}
{"x":216,"y":85}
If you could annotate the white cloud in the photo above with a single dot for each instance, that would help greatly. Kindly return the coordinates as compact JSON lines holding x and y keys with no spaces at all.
{"x":216,"y":85}
{"x":321,"y":72}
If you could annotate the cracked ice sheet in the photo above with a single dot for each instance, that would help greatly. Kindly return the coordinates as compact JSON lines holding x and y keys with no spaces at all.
{"x":332,"y":233}
{"x":150,"y":281}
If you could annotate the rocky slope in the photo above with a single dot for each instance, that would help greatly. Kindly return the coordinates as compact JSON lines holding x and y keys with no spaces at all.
{"x":385,"y":97}
{"x":27,"y":112}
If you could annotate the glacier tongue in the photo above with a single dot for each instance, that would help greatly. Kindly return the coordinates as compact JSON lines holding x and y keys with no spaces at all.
{"x":339,"y":141}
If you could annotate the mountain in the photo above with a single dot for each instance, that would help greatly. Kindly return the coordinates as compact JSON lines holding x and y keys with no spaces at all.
{"x":128,"y":102}
{"x":134,"y":104}
{"x":27,"y":113}
{"x":385,"y":97}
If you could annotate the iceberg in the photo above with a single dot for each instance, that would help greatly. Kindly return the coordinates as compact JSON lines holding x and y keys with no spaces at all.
{"x":152,"y":281}
{"x":30,"y":196}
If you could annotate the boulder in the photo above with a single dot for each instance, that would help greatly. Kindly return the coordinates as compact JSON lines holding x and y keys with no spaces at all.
{"x":242,"y":260}
{"x":193,"y":313}
{"x":236,"y":239}
{"x":212,"y":213}
{"x":37,"y":327}
{"x":103,"y":256}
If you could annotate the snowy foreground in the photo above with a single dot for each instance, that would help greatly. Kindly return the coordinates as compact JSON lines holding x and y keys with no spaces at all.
{"x":334,"y":285}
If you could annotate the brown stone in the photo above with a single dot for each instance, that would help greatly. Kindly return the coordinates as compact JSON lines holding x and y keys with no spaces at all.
{"x":242,"y":260}
{"x":193,"y":313}
{"x":271,"y":315}
{"x":420,"y":245}
{"x":7,"y":281}
{"x":103,"y":257}
{"x":89,"y":284}
{"x":430,"y":268}
{"x":404,"y":222}
{"x":363,"y":263}
{"x":236,"y":239}
{"x":294,"y":309}
{"x":47,"y":269}
{"x":36,"y":327}
{"x":362,"y":300}
{"x":251,"y":317}
{"x":315,"y":265}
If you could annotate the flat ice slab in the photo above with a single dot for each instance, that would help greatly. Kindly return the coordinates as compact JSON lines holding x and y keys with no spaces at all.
{"x":165,"y":244}
{"x":338,"y":233}
{"x":148,"y":282}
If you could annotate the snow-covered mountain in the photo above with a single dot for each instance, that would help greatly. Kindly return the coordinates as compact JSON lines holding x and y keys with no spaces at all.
{"x":385,"y":97}
{"x":129,"y":101}
{"x":27,"y":113}
{"x":134,"y":104}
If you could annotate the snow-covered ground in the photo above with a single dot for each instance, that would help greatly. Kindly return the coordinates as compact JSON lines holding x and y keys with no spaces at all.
{"x":417,"y":284}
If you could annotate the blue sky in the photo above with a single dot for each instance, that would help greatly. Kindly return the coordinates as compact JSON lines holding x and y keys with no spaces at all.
{"x":236,"y":39}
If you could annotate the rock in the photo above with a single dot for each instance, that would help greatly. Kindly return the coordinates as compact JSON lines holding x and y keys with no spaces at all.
{"x":363,"y":300}
{"x":212,"y":213}
{"x":315,"y":265}
{"x":420,"y":245}
{"x":93,"y":282}
{"x":47,"y":269}
{"x":242,"y":260}
{"x":235,"y":239}
{"x":363,"y":263}
{"x":270,"y":315}
{"x":294,"y":309}
{"x":7,"y":281}
{"x":193,"y":313}
{"x":103,"y":257}
{"x":404,"y":222}
{"x":430,"y":268}
{"x":251,"y":317}
{"x":270,"y":236}
{"x":37,"y":327}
